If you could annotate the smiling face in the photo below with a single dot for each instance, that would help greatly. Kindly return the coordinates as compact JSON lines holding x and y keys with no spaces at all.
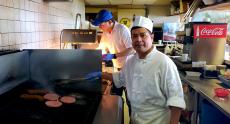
{"x":142,"y":41}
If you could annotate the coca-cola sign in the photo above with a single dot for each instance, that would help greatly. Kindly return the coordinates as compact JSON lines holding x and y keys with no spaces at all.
{"x":210,"y":31}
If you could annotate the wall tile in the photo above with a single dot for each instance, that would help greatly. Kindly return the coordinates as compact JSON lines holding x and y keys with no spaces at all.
{"x":27,"y":4}
{"x":31,"y":6}
{"x":32,"y":23}
{"x":11,"y":26}
{"x":17,"y":26}
{"x":10,"y":3}
{"x":22,"y":4}
{"x":12,"y":47}
{"x":0,"y":38}
{"x":36,"y":7}
{"x":24,"y":46}
{"x":2,"y":2}
{"x":32,"y":26}
{"x":22,"y":15}
{"x":28,"y":17}
{"x":12,"y":39}
{"x":28,"y":27}
{"x":24,"y":38}
{"x":3,"y":26}
{"x":32,"y":14}
{"x":16,"y":3}
{"x":5,"y":39}
{"x":5,"y":48}
{"x":19,"y":38}
{"x":3,"y":14}
{"x":37,"y":37}
{"x":17,"y":47}
{"x":29,"y":38}
{"x":33,"y":35}
{"x":36,"y":17}
{"x":16,"y":14}
{"x":10,"y":14}
{"x":23,"y":26}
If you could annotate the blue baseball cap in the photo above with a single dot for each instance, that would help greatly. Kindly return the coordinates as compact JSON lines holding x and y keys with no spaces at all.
{"x":102,"y":16}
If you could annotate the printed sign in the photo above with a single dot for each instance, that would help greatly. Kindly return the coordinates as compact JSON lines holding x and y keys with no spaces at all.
{"x":126,"y":22}
{"x":210,"y":31}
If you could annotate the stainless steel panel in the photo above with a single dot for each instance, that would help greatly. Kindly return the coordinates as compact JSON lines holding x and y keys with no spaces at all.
{"x":110,"y":110}
{"x":14,"y":69}
{"x":46,"y":66}
{"x":210,"y":50}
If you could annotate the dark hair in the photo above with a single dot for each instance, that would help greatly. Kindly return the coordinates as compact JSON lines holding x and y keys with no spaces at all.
{"x":112,"y":19}
{"x":136,"y":27}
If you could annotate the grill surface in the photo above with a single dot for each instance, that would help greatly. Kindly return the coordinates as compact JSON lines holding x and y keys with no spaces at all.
{"x":13,"y":108}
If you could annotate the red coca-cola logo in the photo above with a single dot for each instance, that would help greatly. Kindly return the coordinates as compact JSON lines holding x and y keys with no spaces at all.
{"x":210,"y":31}
{"x":215,"y":31}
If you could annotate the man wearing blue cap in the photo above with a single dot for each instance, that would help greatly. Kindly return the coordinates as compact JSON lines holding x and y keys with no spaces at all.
{"x":116,"y":38}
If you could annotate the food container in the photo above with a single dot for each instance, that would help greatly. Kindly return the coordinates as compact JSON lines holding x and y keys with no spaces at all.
{"x":192,"y":73}
{"x":221,"y":92}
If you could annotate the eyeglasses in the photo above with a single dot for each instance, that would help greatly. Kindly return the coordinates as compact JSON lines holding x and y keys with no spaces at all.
{"x":142,"y":35}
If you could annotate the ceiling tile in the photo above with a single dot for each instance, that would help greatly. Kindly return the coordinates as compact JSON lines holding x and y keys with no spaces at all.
{"x":97,"y":2}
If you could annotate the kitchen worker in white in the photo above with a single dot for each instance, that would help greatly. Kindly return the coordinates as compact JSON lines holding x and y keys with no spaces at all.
{"x":151,"y":79}
{"x":115,"y":37}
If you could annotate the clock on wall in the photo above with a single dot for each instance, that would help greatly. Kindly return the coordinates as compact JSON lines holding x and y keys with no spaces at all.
{"x":125,"y":21}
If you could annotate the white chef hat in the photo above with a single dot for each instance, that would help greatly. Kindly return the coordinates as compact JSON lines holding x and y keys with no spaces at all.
{"x":143,"y":22}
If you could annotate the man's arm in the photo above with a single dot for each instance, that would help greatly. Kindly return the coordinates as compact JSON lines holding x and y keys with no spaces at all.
{"x":175,"y":114}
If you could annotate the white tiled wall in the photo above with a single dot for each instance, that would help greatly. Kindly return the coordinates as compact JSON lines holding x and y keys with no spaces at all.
{"x":34,"y":24}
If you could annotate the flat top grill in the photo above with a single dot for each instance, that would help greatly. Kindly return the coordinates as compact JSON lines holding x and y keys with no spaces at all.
{"x":13,"y":108}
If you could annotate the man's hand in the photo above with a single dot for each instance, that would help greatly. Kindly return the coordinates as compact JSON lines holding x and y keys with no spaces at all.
{"x":175,"y":114}
{"x":108,"y":57}
{"x":107,"y":76}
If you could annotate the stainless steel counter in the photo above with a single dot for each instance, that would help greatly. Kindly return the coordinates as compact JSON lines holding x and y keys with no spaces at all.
{"x":206,"y":89}
{"x":110,"y":110}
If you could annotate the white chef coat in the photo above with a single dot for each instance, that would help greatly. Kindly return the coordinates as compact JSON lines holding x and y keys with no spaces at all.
{"x":117,"y":41}
{"x":153,"y":84}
